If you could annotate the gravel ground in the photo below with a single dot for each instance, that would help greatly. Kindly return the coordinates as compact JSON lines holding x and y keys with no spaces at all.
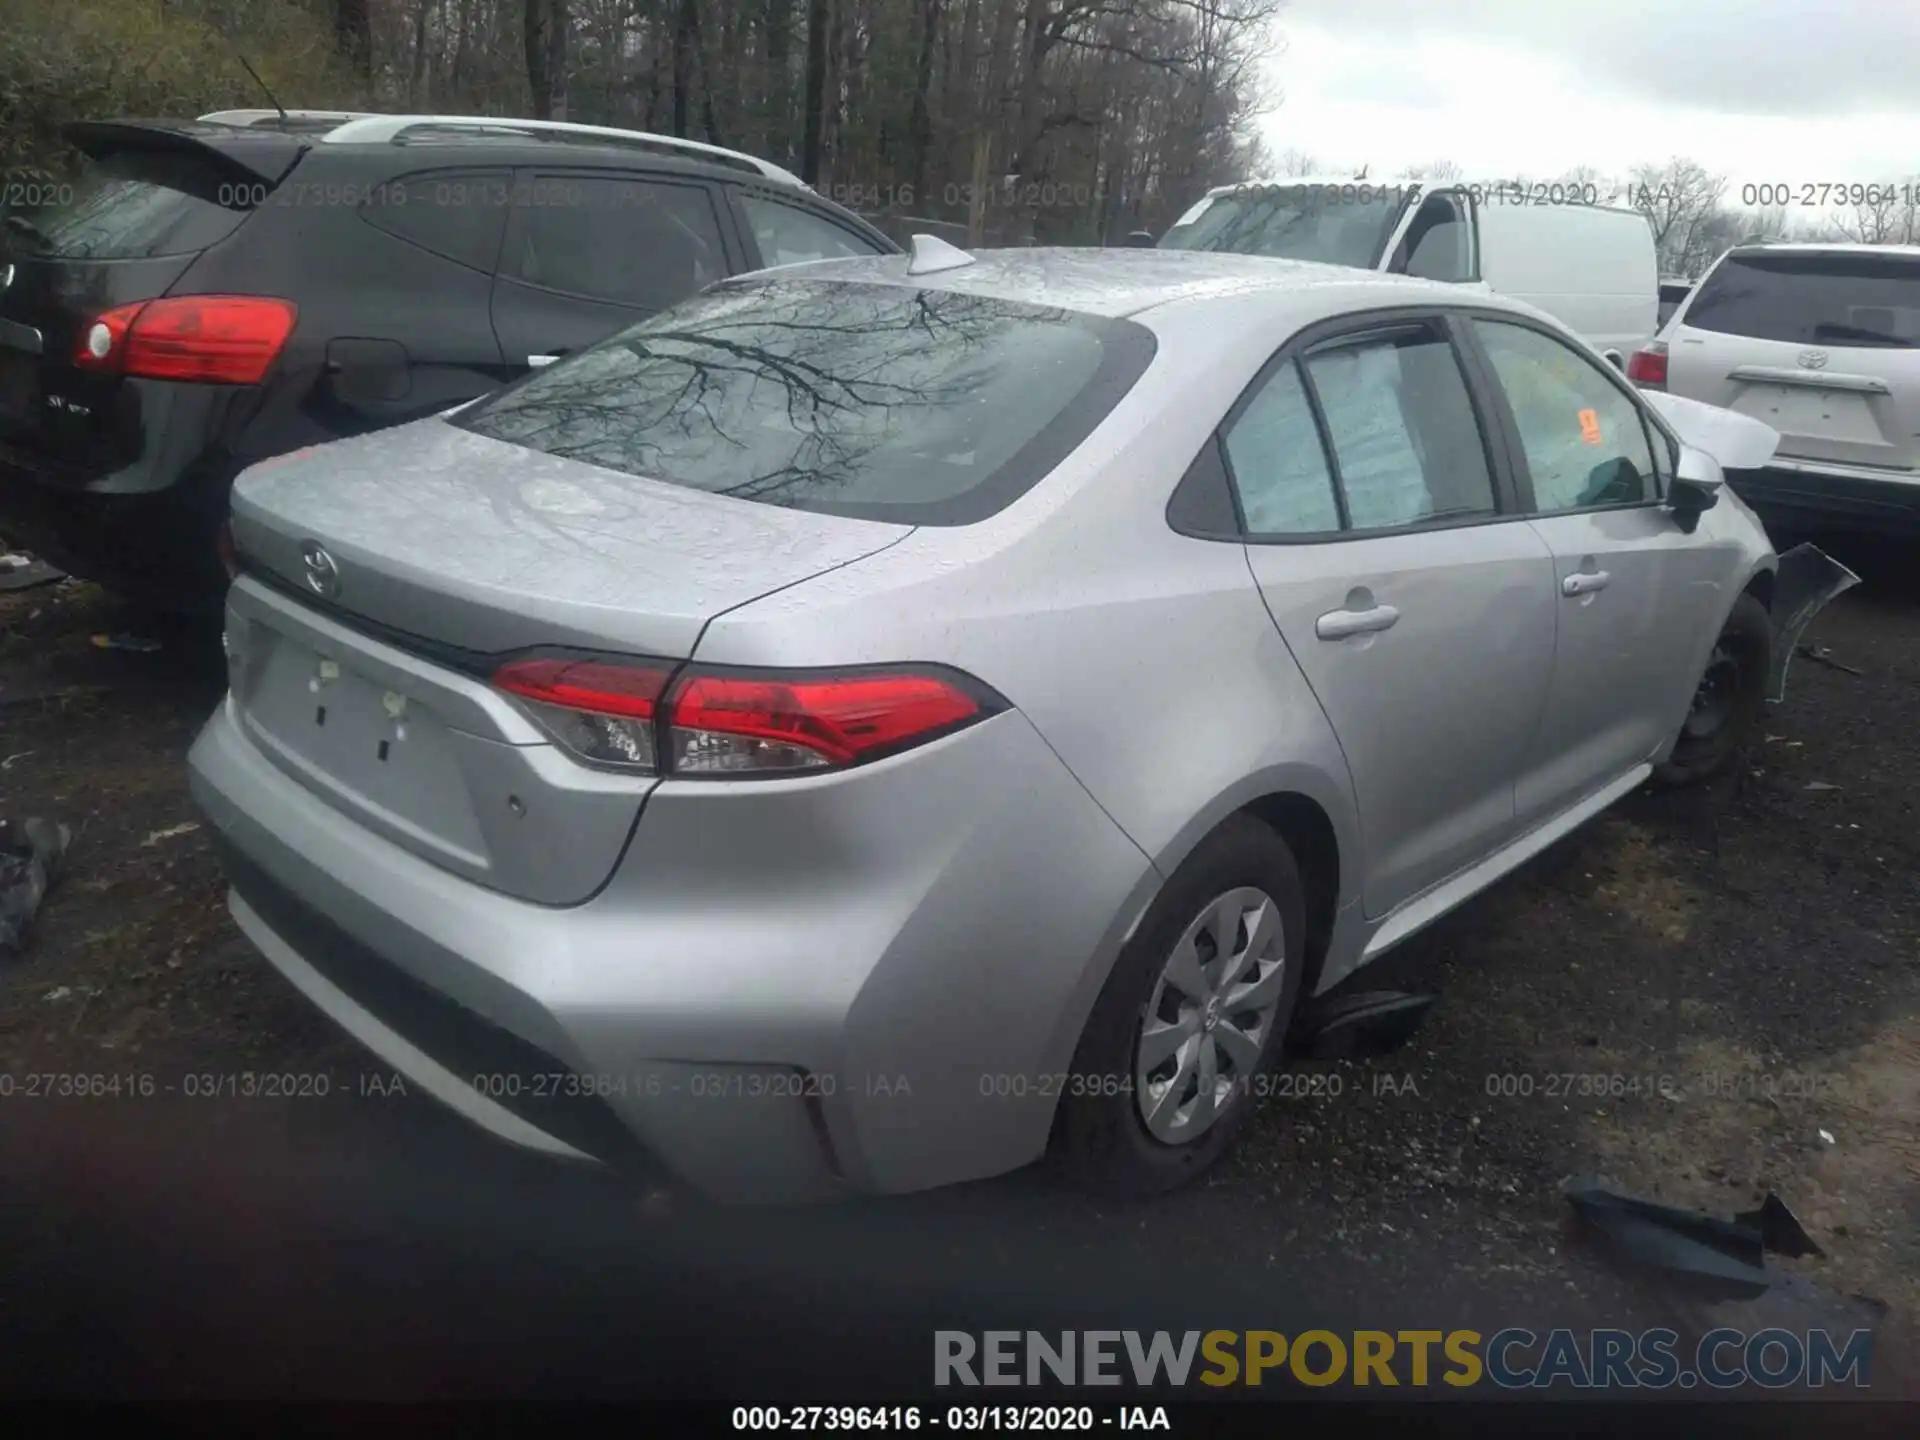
{"x":1742,"y":961}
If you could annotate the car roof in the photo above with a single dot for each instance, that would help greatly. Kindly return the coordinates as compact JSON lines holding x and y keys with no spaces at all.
{"x":1823,"y":247}
{"x":1121,"y":281}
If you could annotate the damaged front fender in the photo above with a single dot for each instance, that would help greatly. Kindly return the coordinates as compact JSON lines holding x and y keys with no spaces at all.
{"x":1807,"y":581}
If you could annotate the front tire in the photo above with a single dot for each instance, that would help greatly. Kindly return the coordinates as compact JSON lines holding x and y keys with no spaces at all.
{"x":1728,"y":701}
{"x":1195,"y":1010}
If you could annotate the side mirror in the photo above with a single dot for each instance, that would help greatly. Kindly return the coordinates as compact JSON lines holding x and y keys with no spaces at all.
{"x":1695,"y":489}
{"x":1617,"y":360}
{"x":1142,"y":238}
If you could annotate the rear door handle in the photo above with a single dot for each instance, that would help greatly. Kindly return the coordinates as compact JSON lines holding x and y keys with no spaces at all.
{"x":1585,"y":582}
{"x":1339,"y":624}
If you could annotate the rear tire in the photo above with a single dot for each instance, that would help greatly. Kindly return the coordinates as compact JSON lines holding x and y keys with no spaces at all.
{"x":1728,"y":701}
{"x":1135,"y":1121}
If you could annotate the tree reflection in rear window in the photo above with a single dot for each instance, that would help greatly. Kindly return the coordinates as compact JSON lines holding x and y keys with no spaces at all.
{"x":881,"y":402}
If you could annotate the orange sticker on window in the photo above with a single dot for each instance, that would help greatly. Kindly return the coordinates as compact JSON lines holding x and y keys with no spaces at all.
{"x":1590,"y":426}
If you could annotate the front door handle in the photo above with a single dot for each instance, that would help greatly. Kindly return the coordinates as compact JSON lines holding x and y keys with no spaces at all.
{"x":1339,"y":624}
{"x":1584,"y":582}
{"x":536,"y":361}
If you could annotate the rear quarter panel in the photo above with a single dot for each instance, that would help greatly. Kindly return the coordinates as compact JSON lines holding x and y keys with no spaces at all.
{"x":1145,"y":658}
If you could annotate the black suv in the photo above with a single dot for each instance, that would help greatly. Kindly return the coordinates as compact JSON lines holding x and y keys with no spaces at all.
{"x":214,"y":292}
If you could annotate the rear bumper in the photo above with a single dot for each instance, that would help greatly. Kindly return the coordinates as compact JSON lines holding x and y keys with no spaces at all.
{"x":157,"y":544}
{"x":1813,"y":495}
{"x":862,"y":982}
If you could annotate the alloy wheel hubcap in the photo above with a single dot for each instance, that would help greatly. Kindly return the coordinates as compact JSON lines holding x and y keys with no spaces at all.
{"x":1208,"y":1019}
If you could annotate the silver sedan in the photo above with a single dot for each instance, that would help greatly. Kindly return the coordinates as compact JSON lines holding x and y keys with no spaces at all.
{"x":884,"y":721}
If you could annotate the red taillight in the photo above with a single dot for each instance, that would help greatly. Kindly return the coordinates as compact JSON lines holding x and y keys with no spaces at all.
{"x":720,"y":722}
{"x":222,"y":339}
{"x":602,"y":712}
{"x":1649,"y":366}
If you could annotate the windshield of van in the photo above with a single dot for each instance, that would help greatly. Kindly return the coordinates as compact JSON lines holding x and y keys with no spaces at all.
{"x":1334,"y":224}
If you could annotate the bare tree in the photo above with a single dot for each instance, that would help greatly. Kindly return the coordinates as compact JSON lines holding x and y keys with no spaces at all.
{"x":1435,"y":172}
{"x":1677,"y":198}
{"x":546,"y":41}
{"x":353,"y":33}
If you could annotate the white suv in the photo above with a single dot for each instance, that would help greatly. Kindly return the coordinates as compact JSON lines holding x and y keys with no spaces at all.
{"x":1822,"y":342}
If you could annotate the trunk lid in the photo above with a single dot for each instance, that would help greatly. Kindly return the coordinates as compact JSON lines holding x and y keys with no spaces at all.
{"x":152,"y":199}
{"x":1822,"y":345}
{"x":449,"y":549}
{"x":488,"y":547}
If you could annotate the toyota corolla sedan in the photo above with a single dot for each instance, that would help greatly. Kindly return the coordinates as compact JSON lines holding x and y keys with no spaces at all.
{"x":885,"y":721}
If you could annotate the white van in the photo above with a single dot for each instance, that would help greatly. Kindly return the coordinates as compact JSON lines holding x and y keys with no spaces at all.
{"x":1591,"y":266}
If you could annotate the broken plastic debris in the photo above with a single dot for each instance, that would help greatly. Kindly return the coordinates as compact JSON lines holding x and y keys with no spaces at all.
{"x":1369,"y":1022}
{"x":1827,"y":1135}
{"x":1780,"y":1229}
{"x":138,"y":643}
{"x":30,"y":858}
{"x":1721,"y":1258}
{"x":23,"y":572}
{"x":1820,"y":785}
{"x":184,"y":828}
{"x":58,"y":993}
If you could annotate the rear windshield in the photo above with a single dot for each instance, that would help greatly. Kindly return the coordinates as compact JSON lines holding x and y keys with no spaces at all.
{"x":1334,"y":224}
{"x":1831,"y":298}
{"x":133,"y":205}
{"x":874,"y":401}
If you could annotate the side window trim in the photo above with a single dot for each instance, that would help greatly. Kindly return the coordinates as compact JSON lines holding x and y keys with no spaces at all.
{"x":1510,"y":423}
{"x":528,"y":177}
{"x":1328,"y":451}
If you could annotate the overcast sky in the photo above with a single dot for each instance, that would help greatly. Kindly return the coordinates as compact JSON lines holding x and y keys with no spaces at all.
{"x":1782,"y":90}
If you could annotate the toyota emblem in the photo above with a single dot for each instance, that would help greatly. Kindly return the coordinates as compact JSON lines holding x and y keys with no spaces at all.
{"x":1812,"y":359}
{"x":323,"y":576}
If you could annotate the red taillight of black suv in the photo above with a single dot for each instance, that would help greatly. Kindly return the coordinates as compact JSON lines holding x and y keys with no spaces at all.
{"x":218,"y":339}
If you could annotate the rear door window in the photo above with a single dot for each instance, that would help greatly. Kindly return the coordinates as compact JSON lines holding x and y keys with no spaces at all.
{"x":788,"y":235}
{"x":135,"y":205}
{"x":875,"y":401}
{"x":1813,"y":298}
{"x":1407,"y":448}
{"x":457,"y":214}
{"x":645,"y":244}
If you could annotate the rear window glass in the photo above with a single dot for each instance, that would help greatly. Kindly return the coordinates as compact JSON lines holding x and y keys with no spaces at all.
{"x":135,"y":205}
{"x":875,"y":401}
{"x":1813,"y":299}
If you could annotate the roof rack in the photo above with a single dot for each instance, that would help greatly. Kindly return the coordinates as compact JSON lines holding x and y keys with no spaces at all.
{"x":307,"y":121}
{"x":406,"y":129}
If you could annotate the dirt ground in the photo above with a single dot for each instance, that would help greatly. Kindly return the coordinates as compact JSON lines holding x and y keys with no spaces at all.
{"x":1703,"y":996}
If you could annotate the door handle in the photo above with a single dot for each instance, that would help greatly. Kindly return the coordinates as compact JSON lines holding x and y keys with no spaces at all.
{"x":1339,"y":624}
{"x":1584,"y":582}
{"x":536,"y":361}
